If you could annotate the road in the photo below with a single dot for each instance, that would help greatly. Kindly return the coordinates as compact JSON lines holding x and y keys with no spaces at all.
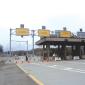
{"x":57,"y":73}
{"x":10,"y":74}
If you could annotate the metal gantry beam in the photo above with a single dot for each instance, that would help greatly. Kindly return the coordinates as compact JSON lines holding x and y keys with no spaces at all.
{"x":43,"y":33}
{"x":10,"y":42}
{"x":32,"y":34}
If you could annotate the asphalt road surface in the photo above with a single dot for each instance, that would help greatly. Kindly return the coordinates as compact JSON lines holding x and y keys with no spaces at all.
{"x":10,"y":74}
{"x":58,"y":73}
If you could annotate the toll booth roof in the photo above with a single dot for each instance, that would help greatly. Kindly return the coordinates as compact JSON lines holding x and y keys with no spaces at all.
{"x":56,"y":41}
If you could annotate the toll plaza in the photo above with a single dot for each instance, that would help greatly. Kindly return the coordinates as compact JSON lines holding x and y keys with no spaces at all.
{"x":61,"y":43}
{"x":66,"y":44}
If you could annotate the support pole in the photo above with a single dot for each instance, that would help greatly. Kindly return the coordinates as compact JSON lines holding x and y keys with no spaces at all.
{"x":27,"y":48}
{"x":58,"y":50}
{"x":43,"y":52}
{"x":72,"y":52}
{"x":80,"y":52}
{"x":33,"y":42}
{"x":10,"y":41}
{"x":84,"y":49}
{"x":48,"y":51}
{"x":63,"y":56}
{"x":65,"y":52}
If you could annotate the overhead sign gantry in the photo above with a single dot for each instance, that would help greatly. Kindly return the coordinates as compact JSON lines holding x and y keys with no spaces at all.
{"x":26,"y":32}
{"x":19,"y":32}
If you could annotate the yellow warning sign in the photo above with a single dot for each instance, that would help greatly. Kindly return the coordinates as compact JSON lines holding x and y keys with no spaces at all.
{"x":43,"y":33}
{"x":65,"y":34}
{"x":22,"y":31}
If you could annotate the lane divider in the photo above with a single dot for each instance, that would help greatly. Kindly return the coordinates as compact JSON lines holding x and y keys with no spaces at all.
{"x":31,"y":75}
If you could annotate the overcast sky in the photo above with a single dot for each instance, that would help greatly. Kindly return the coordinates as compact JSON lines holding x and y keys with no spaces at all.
{"x":54,"y":14}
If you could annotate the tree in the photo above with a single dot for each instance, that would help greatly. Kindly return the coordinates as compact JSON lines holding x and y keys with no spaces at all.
{"x":1,"y":49}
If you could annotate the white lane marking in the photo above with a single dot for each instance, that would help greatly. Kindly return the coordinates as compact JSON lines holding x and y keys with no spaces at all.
{"x":60,"y":67}
{"x":76,"y":70}
{"x":74,"y":62}
{"x":67,"y":68}
{"x":54,"y":65}
{"x":36,"y":63}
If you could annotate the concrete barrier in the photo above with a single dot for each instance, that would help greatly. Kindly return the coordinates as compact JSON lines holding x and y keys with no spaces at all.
{"x":69,"y":57}
{"x":83,"y":56}
{"x":76,"y":58}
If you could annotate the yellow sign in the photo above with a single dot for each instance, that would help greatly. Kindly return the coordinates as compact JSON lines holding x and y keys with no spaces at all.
{"x":43,"y":33}
{"x":22,"y":32}
{"x":65,"y":34}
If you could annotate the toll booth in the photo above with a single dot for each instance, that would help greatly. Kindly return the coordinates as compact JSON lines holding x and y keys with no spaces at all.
{"x":77,"y":47}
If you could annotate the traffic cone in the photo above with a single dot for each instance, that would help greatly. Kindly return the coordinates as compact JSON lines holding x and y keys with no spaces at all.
{"x":28,"y":61}
{"x":16,"y":61}
{"x":22,"y":61}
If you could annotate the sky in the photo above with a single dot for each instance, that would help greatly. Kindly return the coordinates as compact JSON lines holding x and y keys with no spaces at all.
{"x":54,"y":14}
